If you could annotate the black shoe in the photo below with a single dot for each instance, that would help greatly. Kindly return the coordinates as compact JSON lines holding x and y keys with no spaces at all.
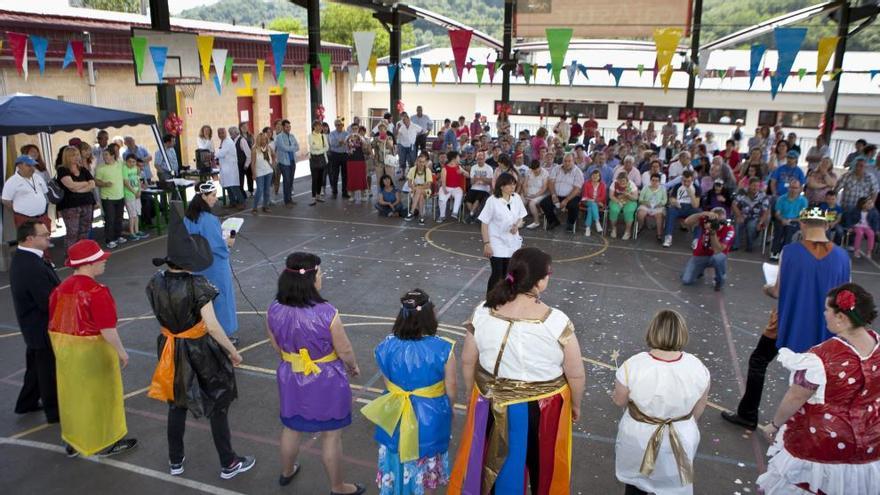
{"x":359,"y":489}
{"x":120,"y":447}
{"x":239,"y":465}
{"x":738,"y":420}
{"x":552,"y":225}
{"x":70,"y":451}
{"x":468,"y":219}
{"x":176,"y":468}
{"x":235,"y":341}
{"x":569,"y":228}
{"x":285,"y":480}
{"x":346,"y":196}
{"x":335,"y":195}
{"x":718,"y":286}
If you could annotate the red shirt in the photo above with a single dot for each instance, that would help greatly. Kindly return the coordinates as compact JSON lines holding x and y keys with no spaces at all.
{"x":576,"y":131}
{"x":733,"y":159}
{"x":81,"y":306}
{"x":453,"y":177}
{"x":704,"y":246}
{"x":590,"y":127}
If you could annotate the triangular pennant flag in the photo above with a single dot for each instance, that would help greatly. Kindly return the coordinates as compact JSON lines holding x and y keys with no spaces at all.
{"x":392,"y":73}
{"x":641,"y":68}
{"x":549,"y":67}
{"x":159,"y":54}
{"x":433,"y":69}
{"x":363,"y":44}
{"x":372,"y":66}
{"x":279,"y":50}
{"x":557,"y":42}
{"x":491,"y":67}
{"x":755,"y":56}
{"x":40,"y":45}
{"x":826,"y":48}
{"x":227,"y":70}
{"x":353,"y":72}
{"x":217,"y":84}
{"x":527,"y":72}
{"x":656,"y":71}
{"x":703,"y":57}
{"x":535,"y":71}
{"x":469,"y":65}
{"x":18,"y":44}
{"x":572,"y":71}
{"x":78,"y":51}
{"x":460,"y":40}
{"x":788,"y":43}
{"x":205,"y":45}
{"x":218,"y":56}
{"x":828,"y":88}
{"x":731,"y":72}
{"x":139,"y":49}
{"x":480,"y":69}
{"x":873,"y":74}
{"x":583,"y":70}
{"x":261,"y":69}
{"x":722,"y":73}
{"x":765,"y":73}
{"x":325,"y":59}
{"x":416,"y":68}
{"x":616,"y":72}
{"x":666,"y":41}
{"x":282,"y":79}
{"x":316,"y":76}
{"x":248,"y":80}
{"x":68,"y":56}
{"x":801,"y":73}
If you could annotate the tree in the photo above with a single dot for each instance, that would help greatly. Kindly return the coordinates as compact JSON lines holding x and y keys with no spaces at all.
{"x":287,"y":25}
{"x":114,"y":5}
{"x":338,"y":22}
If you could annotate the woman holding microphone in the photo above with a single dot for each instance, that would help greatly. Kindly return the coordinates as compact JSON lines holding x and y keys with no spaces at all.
{"x":500,"y":220}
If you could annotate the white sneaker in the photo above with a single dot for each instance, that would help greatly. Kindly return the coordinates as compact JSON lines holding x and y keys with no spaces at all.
{"x":857,"y":254}
{"x":626,"y":236}
{"x":533,"y":225}
{"x":111,"y":245}
{"x":441,"y":219}
{"x":667,"y":241}
{"x":598,"y":227}
{"x":614,"y":233}
{"x":587,"y":232}
{"x":121,"y":240}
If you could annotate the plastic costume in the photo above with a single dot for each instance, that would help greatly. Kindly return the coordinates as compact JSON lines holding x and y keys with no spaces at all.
{"x":219,"y":273}
{"x":520,"y":382}
{"x":312,"y":381}
{"x":832,"y":444}
{"x":414,"y":416}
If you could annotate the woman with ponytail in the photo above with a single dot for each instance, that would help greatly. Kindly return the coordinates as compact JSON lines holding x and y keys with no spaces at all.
{"x":827,"y":428}
{"x":522,"y":365}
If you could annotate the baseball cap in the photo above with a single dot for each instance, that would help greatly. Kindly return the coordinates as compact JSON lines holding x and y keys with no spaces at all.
{"x":26,"y":159}
{"x":793,"y":154}
{"x":74,"y":141}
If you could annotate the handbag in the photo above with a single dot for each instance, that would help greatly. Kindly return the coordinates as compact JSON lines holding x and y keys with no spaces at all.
{"x":56,"y":191}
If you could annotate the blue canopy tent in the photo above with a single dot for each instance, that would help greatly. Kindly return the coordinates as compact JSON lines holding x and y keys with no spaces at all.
{"x":28,"y":114}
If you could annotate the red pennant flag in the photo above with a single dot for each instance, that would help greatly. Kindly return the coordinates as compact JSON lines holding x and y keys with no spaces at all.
{"x":271,"y":60}
{"x":18,"y":44}
{"x":460,"y":39}
{"x":316,"y":76}
{"x":656,"y":71}
{"x":78,"y":50}
{"x":766,"y":73}
{"x":491,"y":67}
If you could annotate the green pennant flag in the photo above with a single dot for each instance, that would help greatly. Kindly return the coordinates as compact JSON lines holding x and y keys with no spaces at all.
{"x":325,"y":65}
{"x":557,"y":42}
{"x":480,"y":68}
{"x":722,"y":73}
{"x":139,"y":47}
{"x":227,"y":71}
{"x":641,"y":68}
{"x":801,"y":73}
{"x":281,"y":79}
{"x":527,"y":72}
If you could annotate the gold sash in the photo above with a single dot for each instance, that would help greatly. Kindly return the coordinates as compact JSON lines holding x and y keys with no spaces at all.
{"x":301,"y":362}
{"x":685,"y":469}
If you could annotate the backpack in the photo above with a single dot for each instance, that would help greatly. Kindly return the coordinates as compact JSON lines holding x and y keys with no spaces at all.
{"x":56,"y":191}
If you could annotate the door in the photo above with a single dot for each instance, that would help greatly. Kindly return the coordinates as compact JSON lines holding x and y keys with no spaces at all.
{"x":246,"y":111}
{"x":276,"y":109}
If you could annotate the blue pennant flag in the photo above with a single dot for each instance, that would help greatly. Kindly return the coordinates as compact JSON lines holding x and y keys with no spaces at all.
{"x":616,"y":72}
{"x":416,"y":67}
{"x":160,"y":55}
{"x":757,"y":54}
{"x":583,"y":70}
{"x":788,"y":43}
{"x":392,"y":73}
{"x":874,"y":74}
{"x":549,"y":67}
{"x":279,"y":51}
{"x":40,"y":45}
{"x":68,"y":56}
{"x":217,"y":84}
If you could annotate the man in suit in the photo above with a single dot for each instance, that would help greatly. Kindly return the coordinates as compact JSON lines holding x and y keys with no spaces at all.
{"x":32,"y":280}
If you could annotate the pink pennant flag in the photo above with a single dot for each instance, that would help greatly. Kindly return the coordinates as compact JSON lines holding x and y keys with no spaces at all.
{"x":18,"y":44}
{"x":491,"y":67}
{"x":460,"y":40}
{"x":78,"y":51}
{"x":316,"y":76}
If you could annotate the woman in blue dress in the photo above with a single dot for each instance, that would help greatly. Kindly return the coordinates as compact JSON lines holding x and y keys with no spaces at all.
{"x":200,"y":220}
{"x":414,"y":416}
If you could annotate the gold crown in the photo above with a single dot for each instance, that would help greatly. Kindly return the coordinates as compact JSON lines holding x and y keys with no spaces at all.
{"x":817,"y":213}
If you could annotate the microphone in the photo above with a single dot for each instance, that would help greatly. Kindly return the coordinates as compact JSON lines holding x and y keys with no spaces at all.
{"x":232,"y":234}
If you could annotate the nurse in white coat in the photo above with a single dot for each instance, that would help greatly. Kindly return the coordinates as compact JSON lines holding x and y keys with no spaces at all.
{"x":229,"y":178}
{"x":501,"y":219}
{"x":664,"y":391}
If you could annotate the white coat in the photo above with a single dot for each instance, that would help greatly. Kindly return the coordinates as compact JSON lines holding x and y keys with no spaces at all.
{"x":228,"y":159}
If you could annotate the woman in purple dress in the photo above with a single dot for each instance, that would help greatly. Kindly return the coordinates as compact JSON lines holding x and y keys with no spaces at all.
{"x":316,"y":361}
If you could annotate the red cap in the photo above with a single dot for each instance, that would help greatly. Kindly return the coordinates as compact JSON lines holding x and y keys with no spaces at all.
{"x":85,"y":252}
{"x":74,"y":141}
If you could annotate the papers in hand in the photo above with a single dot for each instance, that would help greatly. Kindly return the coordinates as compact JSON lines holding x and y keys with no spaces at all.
{"x":771,"y":273}
{"x":230,"y":224}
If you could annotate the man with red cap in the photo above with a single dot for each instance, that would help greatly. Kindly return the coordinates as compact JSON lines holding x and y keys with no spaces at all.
{"x":88,"y":355}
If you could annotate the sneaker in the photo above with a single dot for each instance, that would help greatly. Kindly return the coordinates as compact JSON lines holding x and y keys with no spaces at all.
{"x":111,"y":245}
{"x":120,"y":447}
{"x":70,"y":451}
{"x":626,"y":236}
{"x":351,"y":200}
{"x":321,"y":199}
{"x":598,"y":227}
{"x":176,"y":468}
{"x":121,"y":240}
{"x":614,"y":233}
{"x":533,"y":225}
{"x":239,"y":465}
{"x":313,"y":203}
{"x":441,"y":219}
{"x":667,"y":241}
{"x":587,"y":231}
{"x":409,"y":217}
{"x":421,"y":220}
{"x":774,"y":256}
{"x":266,"y":209}
{"x":469,"y":219}
{"x":857,"y":254}
{"x":142,"y":235}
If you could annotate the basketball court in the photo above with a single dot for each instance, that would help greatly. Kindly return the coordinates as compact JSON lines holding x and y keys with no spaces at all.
{"x":609,"y":288}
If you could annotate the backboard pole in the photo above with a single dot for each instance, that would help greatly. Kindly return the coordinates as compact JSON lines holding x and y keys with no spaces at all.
{"x":507,"y":64}
{"x":314,"y":29}
{"x":831,"y":106}
{"x":166,"y":98}
{"x":394,"y":92}
{"x":695,"y":53}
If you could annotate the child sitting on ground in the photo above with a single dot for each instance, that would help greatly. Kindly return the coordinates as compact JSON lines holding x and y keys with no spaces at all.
{"x":389,"y":198}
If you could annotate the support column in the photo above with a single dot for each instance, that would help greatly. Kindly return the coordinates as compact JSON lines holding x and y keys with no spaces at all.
{"x":166,"y":94}
{"x":695,"y":52}
{"x":831,"y":105}
{"x":394,"y":59}
{"x":314,"y":28}
{"x":507,"y":64}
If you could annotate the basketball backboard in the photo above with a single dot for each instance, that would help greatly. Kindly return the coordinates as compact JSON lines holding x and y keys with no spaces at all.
{"x":601,"y":18}
{"x":182,"y":61}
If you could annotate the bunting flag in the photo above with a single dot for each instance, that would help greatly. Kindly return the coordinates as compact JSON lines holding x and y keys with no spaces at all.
{"x":491,"y":67}
{"x":703,"y":57}
{"x":79,"y":50}
{"x":392,"y":73}
{"x":307,"y":70}
{"x":469,"y":65}
{"x":583,"y":70}
{"x":722,"y":73}
{"x":282,"y":79}
{"x":261,"y":69}
{"x":316,"y":76}
{"x":433,"y":69}
{"x":372,"y":66}
{"x":480,"y":68}
{"x":549,"y":67}
{"x":527,"y":72}
{"x":18,"y":45}
{"x":442,"y":66}
{"x":641,"y":68}
{"x":460,"y":40}
{"x":218,"y":56}
{"x":217,"y":84}
{"x":655,"y":71}
{"x":279,"y":51}
{"x":765,"y":73}
{"x":828,"y":88}
{"x":227,"y":70}
{"x":325,"y":60}
{"x":731,"y":72}
{"x":616,"y":72}
{"x":138,"y":49}
{"x":757,"y":53}
{"x":363,"y":44}
{"x":40,"y":45}
{"x":248,"y":80}
{"x":801,"y":73}
{"x":205,"y":45}
{"x":572,"y":71}
{"x":159,"y":55}
{"x":873,"y":74}
{"x":353,"y":70}
{"x":416,"y":64}
{"x":557,"y":42}
{"x":666,"y":41}
{"x":826,"y":48}
{"x":68,"y":56}
{"x":788,"y":43}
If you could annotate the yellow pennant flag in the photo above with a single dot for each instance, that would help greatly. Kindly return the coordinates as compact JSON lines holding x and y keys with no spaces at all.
{"x":434,"y":68}
{"x":206,"y":46}
{"x":374,"y":63}
{"x":666,"y":41}
{"x":826,"y":48}
{"x":261,"y":69}
{"x":248,"y":79}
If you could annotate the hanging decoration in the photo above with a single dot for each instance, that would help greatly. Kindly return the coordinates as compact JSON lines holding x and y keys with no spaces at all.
{"x":227,"y":70}
{"x":315,"y":74}
{"x":757,"y":51}
{"x":372,"y":66}
{"x":460,"y":39}
{"x":416,"y":64}
{"x":558,"y":40}
{"x":826,"y":48}
{"x":731,"y":72}
{"x":480,"y":68}
{"x":363,"y":44}
{"x":491,"y":68}
{"x":640,"y":68}
{"x":326,"y":68}
{"x":279,"y":51}
{"x":788,"y":43}
{"x":702,"y":68}
{"x":282,"y":79}
{"x":40,"y":45}
{"x":801,"y":73}
{"x":68,"y":55}
{"x":138,"y":49}
{"x":527,"y":72}
{"x":205,"y":45}
{"x":392,"y":73}
{"x":159,"y":54}
{"x":218,"y":56}
{"x":173,"y":124}
{"x":261,"y":69}
{"x":666,"y":41}
{"x":78,"y":55}
{"x":433,"y":69}
{"x":572,"y":71}
{"x":828,"y":88}
{"x":583,"y":70}
{"x":873,"y":74}
{"x":765,"y":73}
{"x":217,"y":86}
{"x":617,"y":72}
{"x":469,"y":65}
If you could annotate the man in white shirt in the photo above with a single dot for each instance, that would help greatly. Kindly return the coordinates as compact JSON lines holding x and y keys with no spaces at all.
{"x":565,"y":185}
{"x":668,"y":132}
{"x":562,"y":129}
{"x":427,"y":125}
{"x":481,"y":186}
{"x":25,"y":193}
{"x":228,"y":158}
{"x":100,"y":146}
{"x":679,"y":165}
{"x":406,"y":134}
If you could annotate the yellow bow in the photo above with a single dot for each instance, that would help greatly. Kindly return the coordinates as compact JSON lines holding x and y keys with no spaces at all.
{"x":302,"y":362}
{"x":396,"y":407}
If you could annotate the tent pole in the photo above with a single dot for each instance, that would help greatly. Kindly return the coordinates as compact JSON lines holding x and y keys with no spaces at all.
{"x":4,"y":245}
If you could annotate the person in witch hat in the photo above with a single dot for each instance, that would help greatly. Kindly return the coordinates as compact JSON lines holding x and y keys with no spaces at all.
{"x":196,"y":359}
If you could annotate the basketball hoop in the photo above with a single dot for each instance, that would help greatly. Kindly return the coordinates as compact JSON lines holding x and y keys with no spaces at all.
{"x":186,"y":87}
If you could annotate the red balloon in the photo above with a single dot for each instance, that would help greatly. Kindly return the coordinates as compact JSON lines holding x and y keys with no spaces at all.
{"x":235,"y":77}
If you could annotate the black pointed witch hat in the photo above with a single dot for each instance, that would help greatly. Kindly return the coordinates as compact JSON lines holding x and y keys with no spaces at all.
{"x":190,"y":252}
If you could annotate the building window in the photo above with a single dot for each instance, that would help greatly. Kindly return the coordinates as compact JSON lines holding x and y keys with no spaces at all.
{"x":802,"y":120}
{"x":720,"y":115}
{"x":859,"y":122}
{"x":587,"y":110}
{"x":525,"y":108}
{"x":658,"y":114}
